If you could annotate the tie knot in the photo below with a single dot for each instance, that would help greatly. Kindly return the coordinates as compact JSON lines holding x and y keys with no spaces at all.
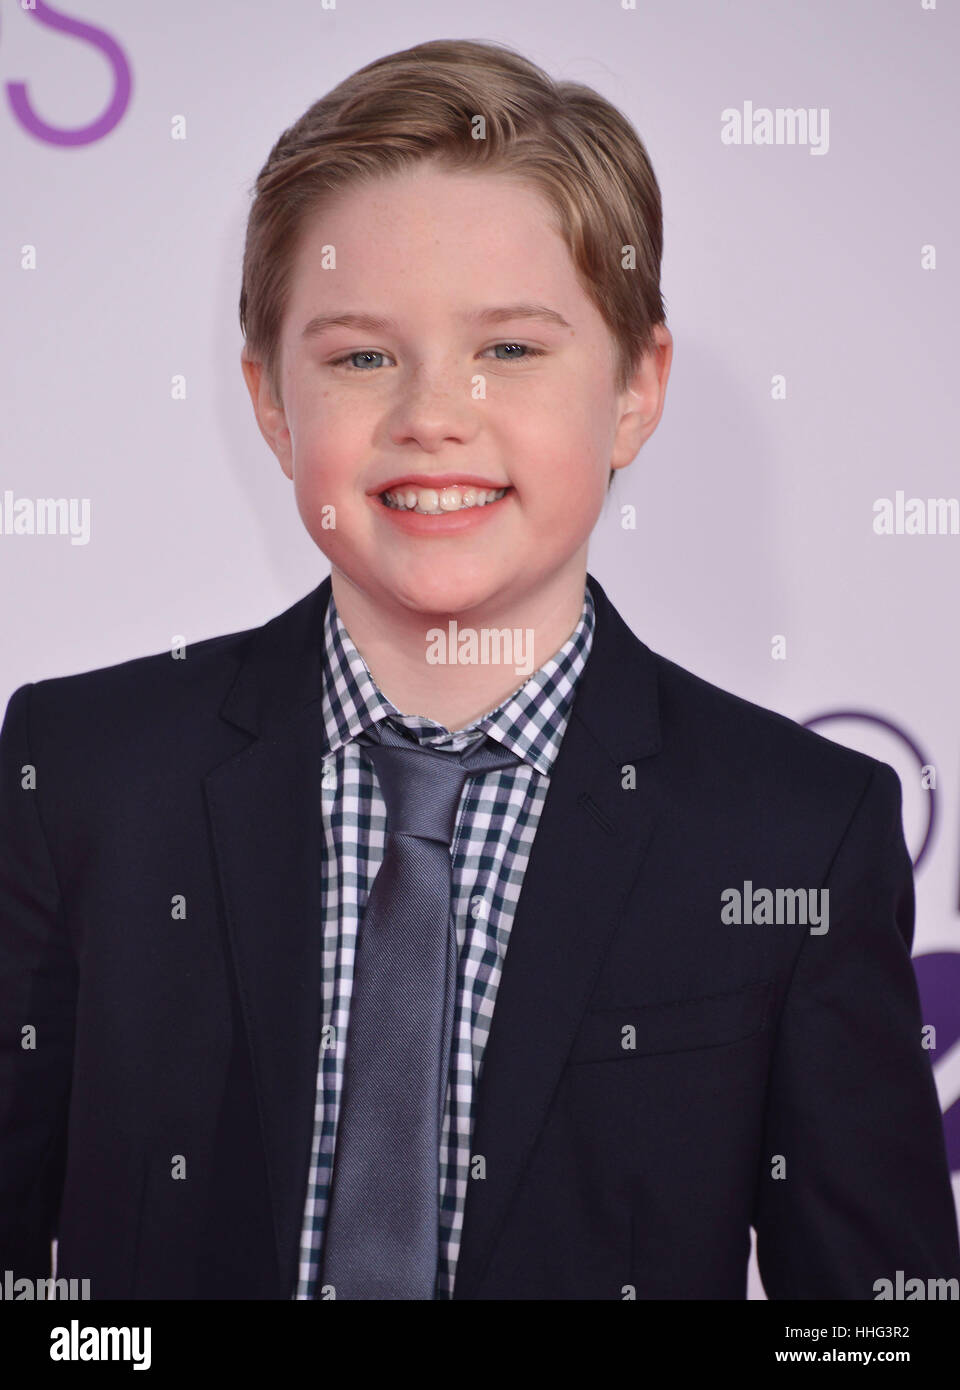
{"x":421,"y":786}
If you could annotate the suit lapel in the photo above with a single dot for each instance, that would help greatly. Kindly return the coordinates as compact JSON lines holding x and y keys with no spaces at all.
{"x":264,"y":805}
{"x":591,"y":840}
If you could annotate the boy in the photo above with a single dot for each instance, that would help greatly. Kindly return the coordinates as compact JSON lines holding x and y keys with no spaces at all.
{"x":387,"y":951}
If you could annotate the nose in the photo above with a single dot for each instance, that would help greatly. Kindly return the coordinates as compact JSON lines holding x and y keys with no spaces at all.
{"x":434,"y":405}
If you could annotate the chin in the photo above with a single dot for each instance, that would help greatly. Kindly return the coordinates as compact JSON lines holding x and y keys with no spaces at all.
{"x":442,"y":594}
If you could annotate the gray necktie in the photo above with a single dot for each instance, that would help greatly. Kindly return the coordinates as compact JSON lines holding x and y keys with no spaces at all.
{"x":381,"y":1236}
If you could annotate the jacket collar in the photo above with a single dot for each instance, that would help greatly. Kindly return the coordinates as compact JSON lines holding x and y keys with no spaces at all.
{"x":282,"y":673}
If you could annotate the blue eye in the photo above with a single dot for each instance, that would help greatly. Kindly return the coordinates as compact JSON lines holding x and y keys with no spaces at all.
{"x":348,"y":358}
{"x":527,"y":351}
{"x":366,"y":352}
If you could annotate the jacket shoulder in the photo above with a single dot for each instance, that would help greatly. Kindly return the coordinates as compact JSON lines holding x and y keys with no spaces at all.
{"x":143,"y":678}
{"x":736,"y":735}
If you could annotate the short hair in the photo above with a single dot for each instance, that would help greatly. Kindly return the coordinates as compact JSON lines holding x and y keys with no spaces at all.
{"x":422,"y":104}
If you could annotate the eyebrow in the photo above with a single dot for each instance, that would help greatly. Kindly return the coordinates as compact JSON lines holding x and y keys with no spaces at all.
{"x":372,"y":323}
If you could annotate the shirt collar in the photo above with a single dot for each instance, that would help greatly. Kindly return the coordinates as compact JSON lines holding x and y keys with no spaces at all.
{"x":530,"y":722}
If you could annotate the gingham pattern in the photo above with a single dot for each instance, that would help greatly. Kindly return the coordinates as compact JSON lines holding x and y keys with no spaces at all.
{"x":496,"y":824}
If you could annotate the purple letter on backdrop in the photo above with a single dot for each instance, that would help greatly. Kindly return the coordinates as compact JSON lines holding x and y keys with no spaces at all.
{"x":84,"y":135}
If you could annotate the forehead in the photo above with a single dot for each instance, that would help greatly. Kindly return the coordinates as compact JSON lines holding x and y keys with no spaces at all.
{"x":429,"y":231}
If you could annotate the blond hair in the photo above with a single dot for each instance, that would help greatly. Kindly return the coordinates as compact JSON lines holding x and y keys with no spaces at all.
{"x":423,"y":103}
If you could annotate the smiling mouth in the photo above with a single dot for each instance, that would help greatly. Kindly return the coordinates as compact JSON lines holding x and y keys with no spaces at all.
{"x":440,"y":502}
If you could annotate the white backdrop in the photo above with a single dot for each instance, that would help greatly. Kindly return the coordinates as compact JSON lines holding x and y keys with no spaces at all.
{"x":811,"y":289}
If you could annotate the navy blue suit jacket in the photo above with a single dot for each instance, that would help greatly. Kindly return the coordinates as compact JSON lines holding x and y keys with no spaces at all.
{"x":777,"y":1077}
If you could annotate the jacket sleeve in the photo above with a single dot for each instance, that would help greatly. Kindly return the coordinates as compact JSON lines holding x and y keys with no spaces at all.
{"x":37,"y":1011}
{"x":852,"y":1110}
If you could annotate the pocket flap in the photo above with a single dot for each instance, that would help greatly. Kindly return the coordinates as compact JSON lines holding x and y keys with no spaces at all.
{"x":637,"y":1030}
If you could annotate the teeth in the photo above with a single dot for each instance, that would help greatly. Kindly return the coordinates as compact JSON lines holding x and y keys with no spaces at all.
{"x":429,"y":501}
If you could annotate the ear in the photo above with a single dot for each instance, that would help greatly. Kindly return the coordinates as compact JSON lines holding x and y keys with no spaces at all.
{"x":641,"y":405}
{"x":269,"y":412}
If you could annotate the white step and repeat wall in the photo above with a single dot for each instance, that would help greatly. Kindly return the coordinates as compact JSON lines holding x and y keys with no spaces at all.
{"x":810,"y":278}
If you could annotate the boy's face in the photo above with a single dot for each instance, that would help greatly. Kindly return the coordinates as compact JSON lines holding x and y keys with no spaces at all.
{"x":436,"y":392}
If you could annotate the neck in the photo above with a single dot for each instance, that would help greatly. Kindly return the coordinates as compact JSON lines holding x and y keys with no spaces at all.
{"x":457,"y":677}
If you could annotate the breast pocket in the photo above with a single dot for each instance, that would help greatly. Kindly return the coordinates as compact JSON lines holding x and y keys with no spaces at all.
{"x":679,"y":1025}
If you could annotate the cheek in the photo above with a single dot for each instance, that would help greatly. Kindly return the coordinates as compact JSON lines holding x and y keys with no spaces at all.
{"x":575,"y":409}
{"x":330,"y":443}
{"x":565,"y":467}
{"x":320,"y":454}
{"x":317,"y":504}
